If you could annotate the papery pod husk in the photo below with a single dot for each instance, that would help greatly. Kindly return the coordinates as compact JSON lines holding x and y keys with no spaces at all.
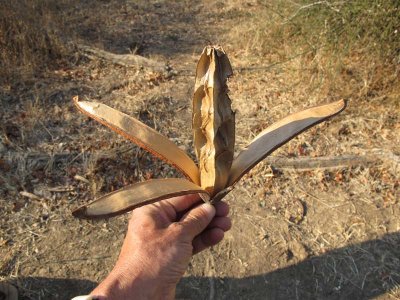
{"x":142,"y":135}
{"x":278,"y":134}
{"x":137,"y":195}
{"x":213,"y":119}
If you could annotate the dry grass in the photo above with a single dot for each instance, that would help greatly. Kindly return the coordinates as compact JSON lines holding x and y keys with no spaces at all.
{"x":31,"y":38}
{"x":346,"y":49}
{"x":315,"y":234}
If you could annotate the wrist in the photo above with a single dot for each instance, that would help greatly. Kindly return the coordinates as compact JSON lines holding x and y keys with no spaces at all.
{"x":132,"y":284}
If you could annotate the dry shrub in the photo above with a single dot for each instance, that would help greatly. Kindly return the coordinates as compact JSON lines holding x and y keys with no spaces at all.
{"x":30,"y":41}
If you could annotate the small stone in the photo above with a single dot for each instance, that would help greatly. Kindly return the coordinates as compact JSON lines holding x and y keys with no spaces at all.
{"x":295,"y":212}
{"x":183,"y":147}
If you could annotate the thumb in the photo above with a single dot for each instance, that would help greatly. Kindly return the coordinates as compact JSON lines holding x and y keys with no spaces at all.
{"x":197,"y":219}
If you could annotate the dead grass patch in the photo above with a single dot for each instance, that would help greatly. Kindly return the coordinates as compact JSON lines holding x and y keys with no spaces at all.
{"x":345,"y":221}
{"x":30,"y":38}
{"x":344,"y":49}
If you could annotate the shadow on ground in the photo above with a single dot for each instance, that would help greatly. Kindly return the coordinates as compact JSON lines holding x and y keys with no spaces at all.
{"x":146,"y":28}
{"x":352,"y":272}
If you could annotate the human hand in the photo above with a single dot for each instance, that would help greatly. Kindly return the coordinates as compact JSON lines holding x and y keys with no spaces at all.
{"x":161,"y":239}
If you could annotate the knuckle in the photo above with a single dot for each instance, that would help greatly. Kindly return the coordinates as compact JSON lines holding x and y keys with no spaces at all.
{"x":196,"y":221}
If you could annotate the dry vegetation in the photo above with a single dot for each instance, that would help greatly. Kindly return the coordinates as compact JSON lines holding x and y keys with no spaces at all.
{"x":323,"y":233}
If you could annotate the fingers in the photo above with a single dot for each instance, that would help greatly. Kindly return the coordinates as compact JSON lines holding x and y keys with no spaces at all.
{"x":212,"y":235}
{"x":182,"y":203}
{"x":185,"y":202}
{"x":203,"y":231}
{"x":196,"y":220}
{"x":223,"y":223}
{"x":208,"y":238}
{"x":214,"y":232}
{"x":222,"y":209}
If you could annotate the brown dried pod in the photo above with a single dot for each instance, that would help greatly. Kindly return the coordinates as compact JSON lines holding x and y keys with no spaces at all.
{"x":214,"y":138}
{"x":213,"y":119}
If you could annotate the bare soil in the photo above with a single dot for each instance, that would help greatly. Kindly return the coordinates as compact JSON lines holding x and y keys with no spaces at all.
{"x":318,"y":234}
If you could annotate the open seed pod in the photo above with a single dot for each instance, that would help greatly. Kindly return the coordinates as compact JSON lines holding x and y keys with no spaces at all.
{"x":213,"y":124}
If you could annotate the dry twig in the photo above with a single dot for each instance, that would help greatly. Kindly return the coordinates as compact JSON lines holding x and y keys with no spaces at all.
{"x":307,"y":6}
{"x":125,"y":60}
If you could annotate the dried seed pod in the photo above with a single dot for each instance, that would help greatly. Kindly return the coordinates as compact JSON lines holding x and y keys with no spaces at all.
{"x":213,"y":119}
{"x":278,"y":134}
{"x":214,"y":137}
{"x":142,"y":135}
{"x":136,"y":195}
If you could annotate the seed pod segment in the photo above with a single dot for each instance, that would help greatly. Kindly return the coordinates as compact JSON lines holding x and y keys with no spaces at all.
{"x":213,"y":119}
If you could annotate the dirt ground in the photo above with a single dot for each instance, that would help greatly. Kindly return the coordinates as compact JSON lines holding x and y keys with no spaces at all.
{"x":316,"y":234}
